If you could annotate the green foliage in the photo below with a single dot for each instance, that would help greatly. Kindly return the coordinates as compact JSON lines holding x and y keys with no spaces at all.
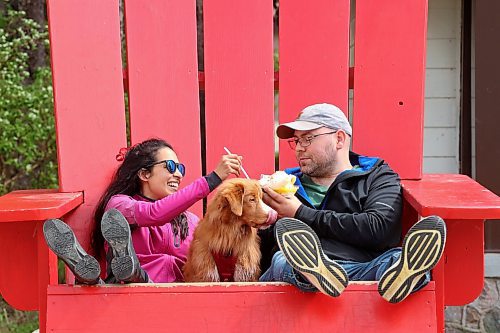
{"x":27,"y":136}
{"x":13,"y":321}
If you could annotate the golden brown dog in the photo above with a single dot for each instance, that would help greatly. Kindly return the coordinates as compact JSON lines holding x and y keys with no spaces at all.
{"x":228,"y":230}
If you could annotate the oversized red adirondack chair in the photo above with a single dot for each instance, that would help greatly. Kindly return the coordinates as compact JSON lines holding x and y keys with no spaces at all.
{"x":163,"y":90}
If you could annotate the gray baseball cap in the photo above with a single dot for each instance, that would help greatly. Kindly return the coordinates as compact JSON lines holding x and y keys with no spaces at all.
{"x":313,"y":117}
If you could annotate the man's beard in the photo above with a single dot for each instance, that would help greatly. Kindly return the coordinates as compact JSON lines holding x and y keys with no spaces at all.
{"x":320,"y":169}
{"x":317,"y":170}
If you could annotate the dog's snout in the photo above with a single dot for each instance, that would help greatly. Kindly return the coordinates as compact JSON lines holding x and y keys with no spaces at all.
{"x":264,"y":207}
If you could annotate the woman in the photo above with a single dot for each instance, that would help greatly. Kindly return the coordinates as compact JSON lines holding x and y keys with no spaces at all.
{"x":142,"y":211}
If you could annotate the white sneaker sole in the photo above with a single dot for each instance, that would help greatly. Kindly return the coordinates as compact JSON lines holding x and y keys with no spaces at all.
{"x":422,"y":248}
{"x":302,"y":249}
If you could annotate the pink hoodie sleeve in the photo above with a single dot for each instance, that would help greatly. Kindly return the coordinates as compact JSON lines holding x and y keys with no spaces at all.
{"x":160,"y":212}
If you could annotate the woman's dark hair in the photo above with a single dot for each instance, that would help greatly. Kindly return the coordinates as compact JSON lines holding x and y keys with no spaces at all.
{"x":126,"y":181}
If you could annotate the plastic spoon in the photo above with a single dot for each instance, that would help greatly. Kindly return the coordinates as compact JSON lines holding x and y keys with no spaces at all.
{"x":241,"y":167}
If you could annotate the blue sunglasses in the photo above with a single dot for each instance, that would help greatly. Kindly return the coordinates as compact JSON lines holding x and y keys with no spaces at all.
{"x":171,"y":166}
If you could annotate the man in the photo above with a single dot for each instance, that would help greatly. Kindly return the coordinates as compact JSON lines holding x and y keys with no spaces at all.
{"x":344,"y":221}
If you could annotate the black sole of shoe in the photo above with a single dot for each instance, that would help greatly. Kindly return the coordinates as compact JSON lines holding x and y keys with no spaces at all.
{"x":302,"y":249}
{"x":62,"y":241}
{"x":422,"y":248}
{"x":116,"y":232}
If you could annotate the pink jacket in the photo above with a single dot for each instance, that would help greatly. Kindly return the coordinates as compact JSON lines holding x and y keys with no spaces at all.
{"x":152,"y":234}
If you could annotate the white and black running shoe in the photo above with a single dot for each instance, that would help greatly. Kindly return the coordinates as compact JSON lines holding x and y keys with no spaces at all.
{"x":422,"y":248}
{"x":302,"y":249}
{"x":124,"y":263}
{"x":62,"y":241}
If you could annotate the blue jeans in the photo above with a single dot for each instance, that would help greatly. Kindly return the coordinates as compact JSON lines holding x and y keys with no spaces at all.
{"x":280,"y":270}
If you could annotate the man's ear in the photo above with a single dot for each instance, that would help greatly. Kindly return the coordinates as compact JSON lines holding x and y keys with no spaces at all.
{"x":234,"y":196}
{"x":341,"y":139}
{"x":144,"y":174}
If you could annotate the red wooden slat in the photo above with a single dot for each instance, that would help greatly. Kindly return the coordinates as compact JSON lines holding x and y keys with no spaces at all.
{"x":163,"y":77}
{"x":389,"y":65}
{"x":438,"y":276}
{"x":410,"y":216}
{"x":47,"y":266}
{"x":88,"y":95}
{"x":30,"y":205}
{"x":232,"y":308}
{"x":201,"y":79}
{"x":451,"y":197}
{"x":239,"y":82}
{"x":314,"y":59}
{"x":18,"y":256}
{"x":464,"y":261}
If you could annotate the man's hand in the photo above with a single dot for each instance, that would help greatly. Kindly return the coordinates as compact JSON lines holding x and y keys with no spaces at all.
{"x":286,"y":206}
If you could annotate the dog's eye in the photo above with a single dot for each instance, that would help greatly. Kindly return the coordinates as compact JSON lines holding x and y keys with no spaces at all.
{"x":252,"y":199}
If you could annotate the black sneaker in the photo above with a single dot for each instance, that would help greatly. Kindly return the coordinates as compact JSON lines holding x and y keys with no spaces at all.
{"x":62,"y":241}
{"x":302,"y":250}
{"x":422,"y":248}
{"x":124,"y":262}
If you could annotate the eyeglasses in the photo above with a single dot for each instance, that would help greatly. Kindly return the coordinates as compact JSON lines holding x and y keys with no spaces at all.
{"x":171,"y":166}
{"x":306,"y":140}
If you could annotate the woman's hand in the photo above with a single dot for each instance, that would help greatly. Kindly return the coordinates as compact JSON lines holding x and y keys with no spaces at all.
{"x":228,"y":164}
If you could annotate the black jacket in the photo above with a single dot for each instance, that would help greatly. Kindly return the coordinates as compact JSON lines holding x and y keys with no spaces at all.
{"x":359,"y":217}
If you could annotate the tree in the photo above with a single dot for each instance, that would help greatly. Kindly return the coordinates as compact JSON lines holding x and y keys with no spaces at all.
{"x":27,"y":136}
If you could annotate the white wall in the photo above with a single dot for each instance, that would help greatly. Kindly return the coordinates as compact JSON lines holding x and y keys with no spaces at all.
{"x":442,"y":87}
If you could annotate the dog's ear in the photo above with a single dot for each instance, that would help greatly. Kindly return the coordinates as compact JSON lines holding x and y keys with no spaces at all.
{"x":234,"y":196}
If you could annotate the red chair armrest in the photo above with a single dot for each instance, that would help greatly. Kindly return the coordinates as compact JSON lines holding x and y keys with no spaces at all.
{"x":464,"y":204}
{"x":451,"y":196}
{"x":27,"y":264}
{"x":37,"y":205}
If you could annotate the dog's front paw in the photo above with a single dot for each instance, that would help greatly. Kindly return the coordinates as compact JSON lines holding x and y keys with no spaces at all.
{"x":246,"y":274}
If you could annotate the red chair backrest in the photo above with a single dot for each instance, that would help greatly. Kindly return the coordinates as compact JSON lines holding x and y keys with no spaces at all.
{"x":162,"y":71}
